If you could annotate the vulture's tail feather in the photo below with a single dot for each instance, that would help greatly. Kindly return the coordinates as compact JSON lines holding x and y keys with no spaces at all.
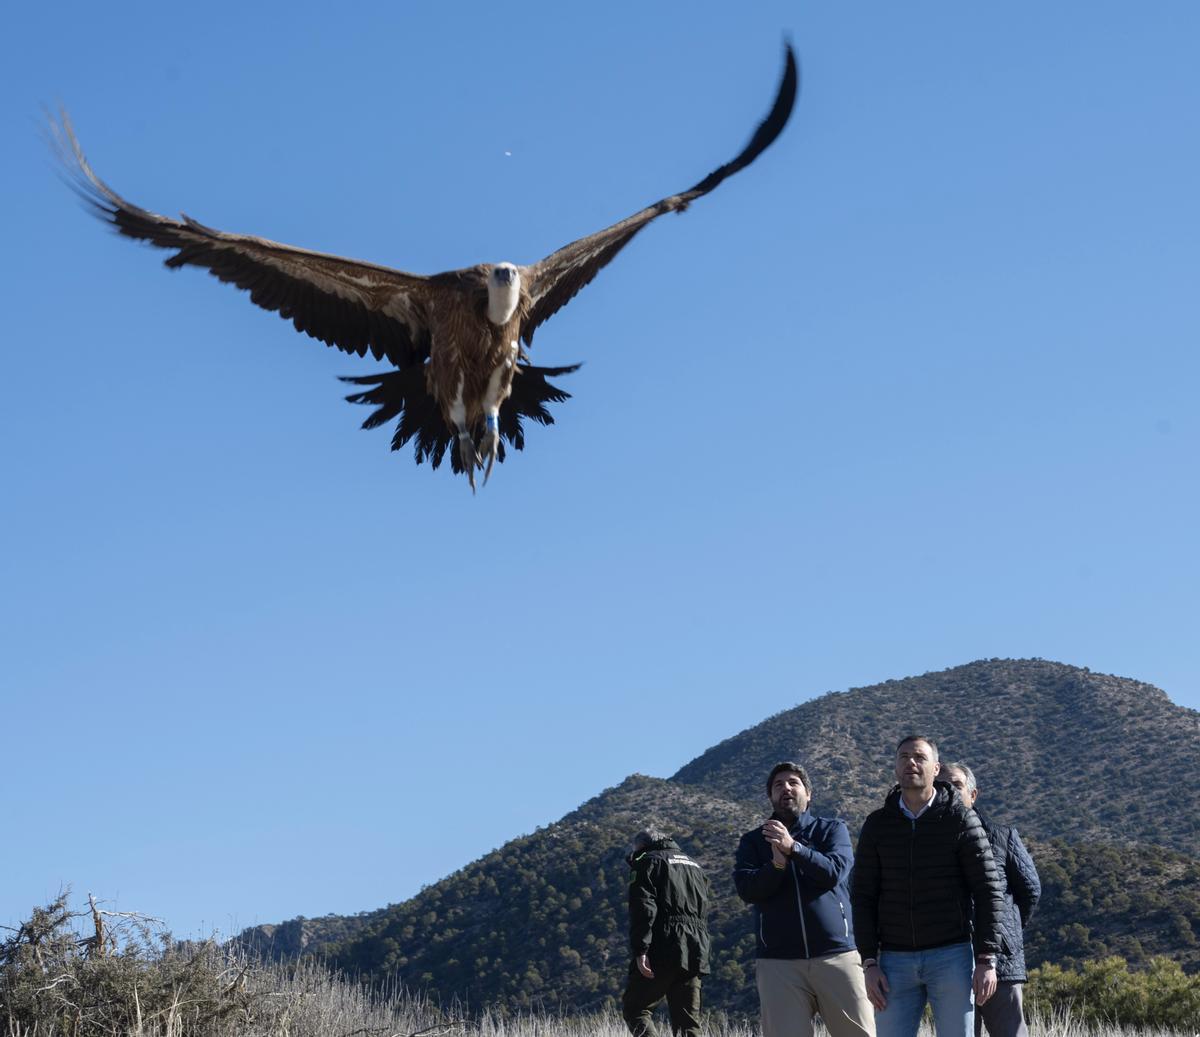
{"x":403,"y":395}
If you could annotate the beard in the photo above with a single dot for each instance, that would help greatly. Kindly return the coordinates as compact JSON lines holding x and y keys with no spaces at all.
{"x":787,"y":808}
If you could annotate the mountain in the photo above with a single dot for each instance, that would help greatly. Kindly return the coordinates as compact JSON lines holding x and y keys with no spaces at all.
{"x":1088,"y":766}
{"x":1059,"y":751}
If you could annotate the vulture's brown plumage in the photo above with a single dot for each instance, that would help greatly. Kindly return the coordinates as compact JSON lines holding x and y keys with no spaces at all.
{"x":454,"y":338}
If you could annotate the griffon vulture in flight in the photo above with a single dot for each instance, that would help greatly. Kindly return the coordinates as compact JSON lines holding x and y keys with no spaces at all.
{"x":453,"y":338}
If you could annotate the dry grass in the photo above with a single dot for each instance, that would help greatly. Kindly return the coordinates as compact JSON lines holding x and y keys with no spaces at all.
{"x":59,"y":981}
{"x":309,"y":1001}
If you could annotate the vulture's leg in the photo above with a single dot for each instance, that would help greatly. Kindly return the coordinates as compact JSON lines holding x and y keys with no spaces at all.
{"x":466,"y":446}
{"x":467,"y":455}
{"x":489,"y":445}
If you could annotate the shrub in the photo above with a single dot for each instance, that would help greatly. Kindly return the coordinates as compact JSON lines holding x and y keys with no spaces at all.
{"x":1107,"y":993}
{"x":128,"y":977}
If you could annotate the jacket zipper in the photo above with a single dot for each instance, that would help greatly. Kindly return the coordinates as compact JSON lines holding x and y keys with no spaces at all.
{"x":799,"y":907}
{"x":912,"y":917}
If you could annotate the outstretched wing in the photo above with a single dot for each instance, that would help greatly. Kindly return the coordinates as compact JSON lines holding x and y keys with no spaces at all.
{"x":345,"y":303}
{"x":555,"y":280}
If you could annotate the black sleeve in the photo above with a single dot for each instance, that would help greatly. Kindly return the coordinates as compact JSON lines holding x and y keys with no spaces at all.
{"x":1022,"y":876}
{"x":755,"y":879}
{"x":643,"y":906}
{"x":979,"y":866}
{"x":864,"y":891}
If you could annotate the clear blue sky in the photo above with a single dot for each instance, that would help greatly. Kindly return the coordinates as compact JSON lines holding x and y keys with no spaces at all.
{"x":917,"y":388}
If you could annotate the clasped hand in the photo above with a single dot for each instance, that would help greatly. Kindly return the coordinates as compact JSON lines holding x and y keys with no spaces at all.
{"x":776,"y":833}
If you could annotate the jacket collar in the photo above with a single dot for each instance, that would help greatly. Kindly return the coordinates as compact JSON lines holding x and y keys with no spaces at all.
{"x":943,"y":800}
{"x":802,"y":822}
{"x":655,"y":846}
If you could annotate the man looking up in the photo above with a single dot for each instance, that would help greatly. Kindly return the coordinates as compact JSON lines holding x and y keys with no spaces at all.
{"x":794,"y":871}
{"x":921,"y":860}
{"x":1003,"y":1013}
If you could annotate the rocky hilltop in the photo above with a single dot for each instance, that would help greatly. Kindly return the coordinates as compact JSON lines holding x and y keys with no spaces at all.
{"x":1059,"y":751}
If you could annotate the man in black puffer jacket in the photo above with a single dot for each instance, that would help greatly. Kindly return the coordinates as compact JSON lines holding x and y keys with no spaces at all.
{"x":922,"y":859}
{"x":1003,"y":1012}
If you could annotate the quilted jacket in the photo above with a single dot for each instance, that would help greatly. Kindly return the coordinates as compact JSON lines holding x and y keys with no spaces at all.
{"x":1022,"y":888}
{"x":914,"y":881}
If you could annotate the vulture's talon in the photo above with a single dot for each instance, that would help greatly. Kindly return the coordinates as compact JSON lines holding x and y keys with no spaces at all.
{"x":489,"y":447}
{"x":468,"y":457}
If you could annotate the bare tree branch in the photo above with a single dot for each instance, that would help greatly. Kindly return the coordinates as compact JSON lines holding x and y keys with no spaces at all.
{"x":61,"y":979}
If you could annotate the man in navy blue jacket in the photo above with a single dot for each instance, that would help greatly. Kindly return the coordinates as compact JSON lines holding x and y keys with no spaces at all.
{"x":795,"y":871}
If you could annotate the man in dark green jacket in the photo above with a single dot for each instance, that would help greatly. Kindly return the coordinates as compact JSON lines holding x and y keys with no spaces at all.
{"x":668,"y":935}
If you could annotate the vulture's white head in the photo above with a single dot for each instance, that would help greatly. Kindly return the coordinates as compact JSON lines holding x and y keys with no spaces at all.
{"x":504,"y":292}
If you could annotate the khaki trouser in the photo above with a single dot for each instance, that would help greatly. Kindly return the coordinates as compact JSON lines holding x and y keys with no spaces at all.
{"x":791,"y":991}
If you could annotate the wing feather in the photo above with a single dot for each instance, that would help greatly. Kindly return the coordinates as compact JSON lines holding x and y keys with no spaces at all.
{"x":557,"y":279}
{"x":355,"y":306}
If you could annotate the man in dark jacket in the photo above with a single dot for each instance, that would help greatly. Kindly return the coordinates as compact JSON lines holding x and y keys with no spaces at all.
{"x":922,"y":859}
{"x":668,"y":935}
{"x":794,"y":871}
{"x":1003,"y":1013}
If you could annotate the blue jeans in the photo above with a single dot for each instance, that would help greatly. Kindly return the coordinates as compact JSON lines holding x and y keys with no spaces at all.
{"x":942,"y":977}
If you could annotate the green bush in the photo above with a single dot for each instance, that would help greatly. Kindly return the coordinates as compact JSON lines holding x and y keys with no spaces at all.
{"x":1107,"y":993}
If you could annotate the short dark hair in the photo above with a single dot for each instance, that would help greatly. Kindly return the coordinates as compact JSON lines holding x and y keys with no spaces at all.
{"x":794,"y":768}
{"x":919,"y":738}
{"x":644,"y":840}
